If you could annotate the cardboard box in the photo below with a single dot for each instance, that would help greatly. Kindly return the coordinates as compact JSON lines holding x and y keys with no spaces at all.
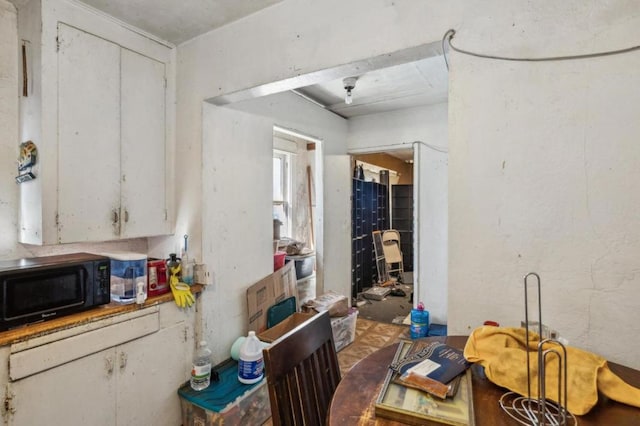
{"x":288,"y":324}
{"x":268,"y":291}
{"x":226,"y":402}
{"x":344,"y":329}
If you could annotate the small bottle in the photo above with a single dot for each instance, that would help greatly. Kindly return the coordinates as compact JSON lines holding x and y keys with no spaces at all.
{"x":419,"y":322}
{"x":201,"y":371}
{"x":172,"y":265}
{"x":250,"y":362}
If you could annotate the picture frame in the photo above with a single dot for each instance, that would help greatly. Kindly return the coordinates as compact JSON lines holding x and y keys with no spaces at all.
{"x":405,"y":404}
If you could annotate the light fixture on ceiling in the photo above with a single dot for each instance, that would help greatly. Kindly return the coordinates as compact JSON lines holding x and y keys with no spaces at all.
{"x":349,"y":85}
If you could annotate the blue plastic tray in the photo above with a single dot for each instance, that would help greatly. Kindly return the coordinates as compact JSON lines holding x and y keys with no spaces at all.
{"x":219,"y":394}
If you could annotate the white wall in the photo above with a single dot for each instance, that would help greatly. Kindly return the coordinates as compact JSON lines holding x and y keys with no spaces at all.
{"x":237,"y":200}
{"x":544,"y":171}
{"x":431,"y":198}
{"x":294,"y":113}
{"x":237,"y":189}
{"x":8,"y":129}
{"x":427,"y":124}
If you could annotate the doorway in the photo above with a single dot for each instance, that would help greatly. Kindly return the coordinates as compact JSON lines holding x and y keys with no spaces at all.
{"x":295,"y":213}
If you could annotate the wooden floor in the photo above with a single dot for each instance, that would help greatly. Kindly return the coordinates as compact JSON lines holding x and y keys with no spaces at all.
{"x":370,"y":336}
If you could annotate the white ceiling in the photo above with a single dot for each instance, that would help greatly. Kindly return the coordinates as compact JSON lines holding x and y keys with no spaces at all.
{"x":398,"y":87}
{"x":409,"y":85}
{"x":176,"y":21}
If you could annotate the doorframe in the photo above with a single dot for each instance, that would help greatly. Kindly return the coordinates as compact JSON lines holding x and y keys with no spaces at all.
{"x":398,"y":147}
{"x":318,"y":193}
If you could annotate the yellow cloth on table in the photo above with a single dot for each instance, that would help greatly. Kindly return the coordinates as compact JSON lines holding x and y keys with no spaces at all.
{"x":501,"y":351}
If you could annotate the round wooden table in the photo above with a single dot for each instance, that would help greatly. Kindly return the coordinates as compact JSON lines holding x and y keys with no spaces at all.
{"x":354,"y":399}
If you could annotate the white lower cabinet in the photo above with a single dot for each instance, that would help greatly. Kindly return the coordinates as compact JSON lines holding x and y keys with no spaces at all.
{"x":133,"y":383}
{"x":150,"y":372}
{"x":82,"y":392}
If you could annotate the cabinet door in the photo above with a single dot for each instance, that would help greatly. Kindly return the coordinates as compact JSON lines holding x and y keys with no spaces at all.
{"x":88,"y":136}
{"x":150,"y":372}
{"x":81,"y":392}
{"x":143,"y":146}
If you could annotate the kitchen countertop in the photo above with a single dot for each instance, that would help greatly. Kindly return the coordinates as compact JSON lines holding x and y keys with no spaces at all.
{"x":32,"y":330}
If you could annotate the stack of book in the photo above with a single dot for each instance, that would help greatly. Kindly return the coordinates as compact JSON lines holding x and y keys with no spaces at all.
{"x":427,"y":383}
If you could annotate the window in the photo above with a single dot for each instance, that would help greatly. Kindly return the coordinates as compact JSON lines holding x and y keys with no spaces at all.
{"x":281,"y":191}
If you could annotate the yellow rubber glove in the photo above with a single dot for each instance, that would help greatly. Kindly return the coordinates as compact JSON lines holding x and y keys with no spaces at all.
{"x":181,"y":292}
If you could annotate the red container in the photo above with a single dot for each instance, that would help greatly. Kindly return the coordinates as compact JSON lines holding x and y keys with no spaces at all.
{"x":278,"y":260}
{"x":157,"y":276}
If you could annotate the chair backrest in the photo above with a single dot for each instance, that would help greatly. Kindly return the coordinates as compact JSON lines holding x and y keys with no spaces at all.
{"x":391,"y":235}
{"x":302,"y":373}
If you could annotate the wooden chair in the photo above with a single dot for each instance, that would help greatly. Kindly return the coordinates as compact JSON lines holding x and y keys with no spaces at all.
{"x":302,"y":373}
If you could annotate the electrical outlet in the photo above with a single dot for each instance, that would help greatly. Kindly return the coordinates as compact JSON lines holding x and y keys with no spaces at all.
{"x":201,"y":274}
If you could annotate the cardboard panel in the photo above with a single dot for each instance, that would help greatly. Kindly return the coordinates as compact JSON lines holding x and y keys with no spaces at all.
{"x":267,"y":292}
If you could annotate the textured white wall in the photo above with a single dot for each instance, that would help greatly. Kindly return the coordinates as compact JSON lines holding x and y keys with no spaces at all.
{"x":333,"y":258}
{"x":544,"y":171}
{"x":237,"y":152}
{"x":8,"y":129}
{"x":238,"y":225}
{"x":427,"y":124}
{"x":431,"y":230}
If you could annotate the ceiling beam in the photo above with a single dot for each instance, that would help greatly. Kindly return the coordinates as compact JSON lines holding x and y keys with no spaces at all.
{"x":403,"y":56}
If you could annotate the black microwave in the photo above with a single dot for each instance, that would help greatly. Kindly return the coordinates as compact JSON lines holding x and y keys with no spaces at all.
{"x":41,"y":288}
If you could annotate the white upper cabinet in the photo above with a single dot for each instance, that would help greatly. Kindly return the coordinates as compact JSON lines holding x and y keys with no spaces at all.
{"x":99,"y":108}
{"x":144,"y":204}
{"x":88,"y":136}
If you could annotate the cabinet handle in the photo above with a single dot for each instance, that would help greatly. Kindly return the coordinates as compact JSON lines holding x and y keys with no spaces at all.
{"x":126,"y":216}
{"x":123,"y":360}
{"x":109,"y":364}
{"x":116,"y":221}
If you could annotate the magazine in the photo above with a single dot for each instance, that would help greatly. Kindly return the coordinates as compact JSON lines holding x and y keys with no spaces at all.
{"x":412,"y":406}
{"x":432,"y":368}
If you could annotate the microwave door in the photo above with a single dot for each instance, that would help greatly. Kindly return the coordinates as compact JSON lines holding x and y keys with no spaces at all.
{"x":42,"y":294}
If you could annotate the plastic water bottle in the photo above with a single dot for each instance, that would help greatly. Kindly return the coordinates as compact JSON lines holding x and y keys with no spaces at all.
{"x":250,"y":363}
{"x":201,"y":371}
{"x":419,"y":322}
{"x":187,"y":270}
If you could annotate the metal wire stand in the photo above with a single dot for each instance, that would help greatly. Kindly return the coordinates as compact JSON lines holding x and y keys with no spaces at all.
{"x":540,"y":411}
